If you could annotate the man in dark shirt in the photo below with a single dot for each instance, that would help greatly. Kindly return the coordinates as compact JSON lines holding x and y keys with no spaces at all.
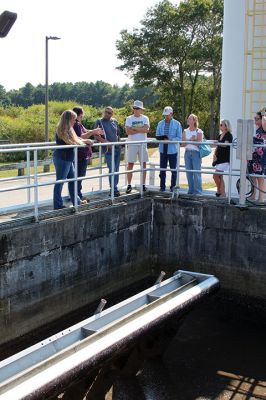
{"x":84,"y":153}
{"x":111,"y":134}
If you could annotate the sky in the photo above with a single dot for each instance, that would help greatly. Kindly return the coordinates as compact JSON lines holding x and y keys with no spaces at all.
{"x":86,"y":52}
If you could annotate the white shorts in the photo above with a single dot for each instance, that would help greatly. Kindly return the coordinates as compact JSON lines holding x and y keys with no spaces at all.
{"x":134,"y":151}
{"x":222,"y":167}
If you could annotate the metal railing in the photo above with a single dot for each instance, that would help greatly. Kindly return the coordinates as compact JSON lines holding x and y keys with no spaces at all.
{"x":33,"y":181}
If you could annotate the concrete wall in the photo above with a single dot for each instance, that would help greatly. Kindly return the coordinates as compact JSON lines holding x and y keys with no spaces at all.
{"x":59,"y":265}
{"x":212,"y":237}
{"x":52,"y":268}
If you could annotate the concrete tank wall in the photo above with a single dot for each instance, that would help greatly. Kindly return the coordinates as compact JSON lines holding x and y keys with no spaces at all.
{"x":55,"y":267}
{"x":59,"y":265}
{"x":212,"y":237}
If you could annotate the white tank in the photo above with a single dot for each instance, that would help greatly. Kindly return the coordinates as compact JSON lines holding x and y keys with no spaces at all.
{"x":244,"y":61}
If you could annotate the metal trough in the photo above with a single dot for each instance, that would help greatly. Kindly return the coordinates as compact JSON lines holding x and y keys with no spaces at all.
{"x":33,"y":373}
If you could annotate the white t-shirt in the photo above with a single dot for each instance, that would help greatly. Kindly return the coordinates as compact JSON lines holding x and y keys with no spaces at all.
{"x":188,"y":135}
{"x":137,"y":122}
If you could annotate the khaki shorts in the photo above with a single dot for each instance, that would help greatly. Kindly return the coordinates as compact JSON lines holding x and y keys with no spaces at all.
{"x":134,"y":151}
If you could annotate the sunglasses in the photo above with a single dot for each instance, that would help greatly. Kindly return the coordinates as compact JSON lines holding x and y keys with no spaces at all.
{"x":136,"y":108}
{"x":108,"y":112}
{"x":257,"y":118}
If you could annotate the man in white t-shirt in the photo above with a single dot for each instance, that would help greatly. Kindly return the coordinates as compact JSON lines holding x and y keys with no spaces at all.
{"x":137,"y":127}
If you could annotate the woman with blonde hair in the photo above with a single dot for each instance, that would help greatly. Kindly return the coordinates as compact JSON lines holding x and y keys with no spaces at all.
{"x":192,"y":154}
{"x":63,"y":158}
{"x":221,"y":157}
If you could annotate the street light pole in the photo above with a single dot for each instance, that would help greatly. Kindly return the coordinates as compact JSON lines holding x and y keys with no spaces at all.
{"x":46,"y":133}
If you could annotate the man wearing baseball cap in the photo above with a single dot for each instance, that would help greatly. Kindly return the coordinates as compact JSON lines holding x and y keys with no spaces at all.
{"x":137,"y":127}
{"x":168,"y":129}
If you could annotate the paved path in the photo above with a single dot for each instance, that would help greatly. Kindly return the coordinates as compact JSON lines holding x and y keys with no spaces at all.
{"x":206,"y":162}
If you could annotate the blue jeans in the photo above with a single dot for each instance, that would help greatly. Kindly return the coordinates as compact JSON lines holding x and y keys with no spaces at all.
{"x":64,"y":170}
{"x":164,"y":158}
{"x":193,"y":161}
{"x":82,"y":168}
{"x":108,"y":158}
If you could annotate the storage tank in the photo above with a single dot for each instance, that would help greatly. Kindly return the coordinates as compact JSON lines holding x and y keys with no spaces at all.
{"x":244,"y":61}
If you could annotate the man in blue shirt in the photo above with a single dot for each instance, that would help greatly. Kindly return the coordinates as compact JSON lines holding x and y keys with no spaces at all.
{"x":111,"y":134}
{"x":168,"y":129}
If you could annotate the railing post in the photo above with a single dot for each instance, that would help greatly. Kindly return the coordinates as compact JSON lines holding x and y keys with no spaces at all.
{"x":245,"y":130}
{"x":141,"y":169}
{"x":243,"y":167}
{"x":152,"y":174}
{"x":230,"y":174}
{"x":178,"y":166}
{"x":126,"y":163}
{"x":100,"y":168}
{"x":113,"y":169}
{"x":36,"y":210}
{"x":75,"y":176}
{"x":28,"y":176}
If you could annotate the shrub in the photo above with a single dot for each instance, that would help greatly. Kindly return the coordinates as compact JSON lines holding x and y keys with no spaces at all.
{"x":23,"y":125}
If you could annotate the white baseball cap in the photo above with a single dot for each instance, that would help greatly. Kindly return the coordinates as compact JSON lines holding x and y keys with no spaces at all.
{"x":167,"y":110}
{"x":138,"y":104}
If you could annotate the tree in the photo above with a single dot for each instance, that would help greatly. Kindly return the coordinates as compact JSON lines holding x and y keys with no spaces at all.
{"x":2,"y":93}
{"x":169,"y":50}
{"x":27,"y":93}
{"x":39,"y":95}
{"x":4,"y":98}
{"x":213,"y":57}
{"x":16,"y":97}
{"x":98,"y":94}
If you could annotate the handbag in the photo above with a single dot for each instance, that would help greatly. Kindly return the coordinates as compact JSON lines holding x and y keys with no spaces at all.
{"x":204,"y":149}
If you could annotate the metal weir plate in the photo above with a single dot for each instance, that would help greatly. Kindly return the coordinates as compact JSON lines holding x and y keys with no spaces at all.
{"x":36,"y":371}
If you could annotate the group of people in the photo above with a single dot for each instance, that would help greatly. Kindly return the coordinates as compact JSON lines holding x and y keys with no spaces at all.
{"x":70,"y":131}
{"x":170,"y":129}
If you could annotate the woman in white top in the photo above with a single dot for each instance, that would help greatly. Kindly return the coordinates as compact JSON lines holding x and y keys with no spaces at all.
{"x":192,"y":154}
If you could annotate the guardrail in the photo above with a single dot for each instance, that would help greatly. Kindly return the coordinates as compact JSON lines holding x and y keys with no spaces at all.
{"x":20,"y":166}
{"x":34,"y":183}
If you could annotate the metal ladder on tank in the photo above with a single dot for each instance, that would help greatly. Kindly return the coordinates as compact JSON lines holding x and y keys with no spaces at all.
{"x":255,"y":57}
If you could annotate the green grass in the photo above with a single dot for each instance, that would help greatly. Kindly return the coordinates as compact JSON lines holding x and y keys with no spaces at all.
{"x":151,"y":151}
{"x":205,"y":186}
{"x":208,"y":185}
{"x":14,"y":172}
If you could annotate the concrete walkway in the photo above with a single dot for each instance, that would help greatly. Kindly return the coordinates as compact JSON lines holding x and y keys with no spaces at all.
{"x":206,"y":162}
{"x":45,"y":193}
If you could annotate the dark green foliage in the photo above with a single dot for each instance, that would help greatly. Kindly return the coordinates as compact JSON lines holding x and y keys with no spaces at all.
{"x":174,"y":47}
{"x":174,"y":59}
{"x":98,"y":94}
{"x":24,"y":125}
